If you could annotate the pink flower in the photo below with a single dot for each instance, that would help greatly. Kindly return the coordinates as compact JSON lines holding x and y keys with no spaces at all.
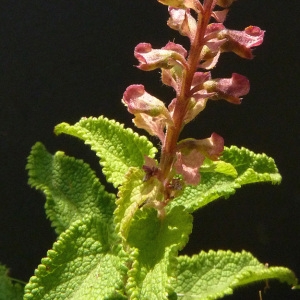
{"x":220,"y":15}
{"x":182,"y":20}
{"x":230,"y":89}
{"x":198,"y":98}
{"x":150,"y":113}
{"x":241,"y":42}
{"x":219,"y":39}
{"x":138,"y":100}
{"x":211,"y":147}
{"x":167,"y":57}
{"x":188,"y":166}
{"x":153,"y":125}
{"x":191,"y":154}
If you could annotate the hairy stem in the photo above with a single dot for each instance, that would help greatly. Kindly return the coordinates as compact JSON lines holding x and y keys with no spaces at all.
{"x":172,"y":133}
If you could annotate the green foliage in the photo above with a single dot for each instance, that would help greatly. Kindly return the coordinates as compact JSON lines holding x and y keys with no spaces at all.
{"x":157,"y":242}
{"x":131,"y":196}
{"x":122,"y":248}
{"x":118,"y":148}
{"x":8,"y":289}
{"x":83,"y":264}
{"x":237,"y":166}
{"x":72,"y":189}
{"x":213,"y":275}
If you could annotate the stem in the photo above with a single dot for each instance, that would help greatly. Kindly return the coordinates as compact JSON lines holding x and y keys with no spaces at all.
{"x":18,"y":281}
{"x":168,"y":154}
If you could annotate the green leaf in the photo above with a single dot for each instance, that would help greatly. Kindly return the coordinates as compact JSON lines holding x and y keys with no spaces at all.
{"x":118,"y":148}
{"x":132,"y":195}
{"x":220,"y":181}
{"x":219,"y":167}
{"x":82,"y":265}
{"x":72,"y":189}
{"x":213,"y":275}
{"x":251,"y":167}
{"x":8,"y":289}
{"x":156,"y":241}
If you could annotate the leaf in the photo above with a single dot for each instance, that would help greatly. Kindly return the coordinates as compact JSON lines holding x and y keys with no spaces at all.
{"x":118,"y":148}
{"x":156,"y":241}
{"x":251,"y":167}
{"x":132,"y":195}
{"x":221,"y":182}
{"x":8,"y":289}
{"x":72,"y":189}
{"x":219,"y":166}
{"x":213,"y":275}
{"x":82,"y":265}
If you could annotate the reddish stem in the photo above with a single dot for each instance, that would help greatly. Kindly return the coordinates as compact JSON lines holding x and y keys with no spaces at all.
{"x":173,"y":132}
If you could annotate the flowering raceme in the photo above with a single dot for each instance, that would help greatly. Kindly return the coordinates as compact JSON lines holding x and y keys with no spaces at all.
{"x":187,"y":72}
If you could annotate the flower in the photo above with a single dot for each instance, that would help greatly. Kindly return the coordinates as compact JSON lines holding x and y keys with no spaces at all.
{"x":191,"y":154}
{"x":230,"y":89}
{"x":153,"y":125}
{"x":188,"y":166}
{"x":166,"y":57}
{"x":241,"y":42}
{"x":182,"y":20}
{"x":138,"y":100}
{"x":150,"y":112}
{"x":211,"y":147}
{"x":218,"y":39}
{"x":198,"y":98}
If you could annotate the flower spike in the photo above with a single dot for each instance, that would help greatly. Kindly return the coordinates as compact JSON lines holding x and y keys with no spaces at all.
{"x":187,"y":72}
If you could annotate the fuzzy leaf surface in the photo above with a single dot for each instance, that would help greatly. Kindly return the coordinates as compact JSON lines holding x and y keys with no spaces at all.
{"x":213,"y":275}
{"x":8,"y":289}
{"x":132,"y":195}
{"x":118,"y":148}
{"x":81,"y":265}
{"x":157,"y":242}
{"x":72,"y":189}
{"x":222,"y":181}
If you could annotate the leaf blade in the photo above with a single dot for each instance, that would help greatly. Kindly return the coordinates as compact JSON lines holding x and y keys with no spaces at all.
{"x":82,"y":265}
{"x":118,"y":148}
{"x":250,"y":168}
{"x":71,"y":188}
{"x":213,"y":275}
{"x":156,"y":246}
{"x":8,"y":289}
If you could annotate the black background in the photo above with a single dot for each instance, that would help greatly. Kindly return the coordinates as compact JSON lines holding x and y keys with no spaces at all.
{"x":61,"y":60}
